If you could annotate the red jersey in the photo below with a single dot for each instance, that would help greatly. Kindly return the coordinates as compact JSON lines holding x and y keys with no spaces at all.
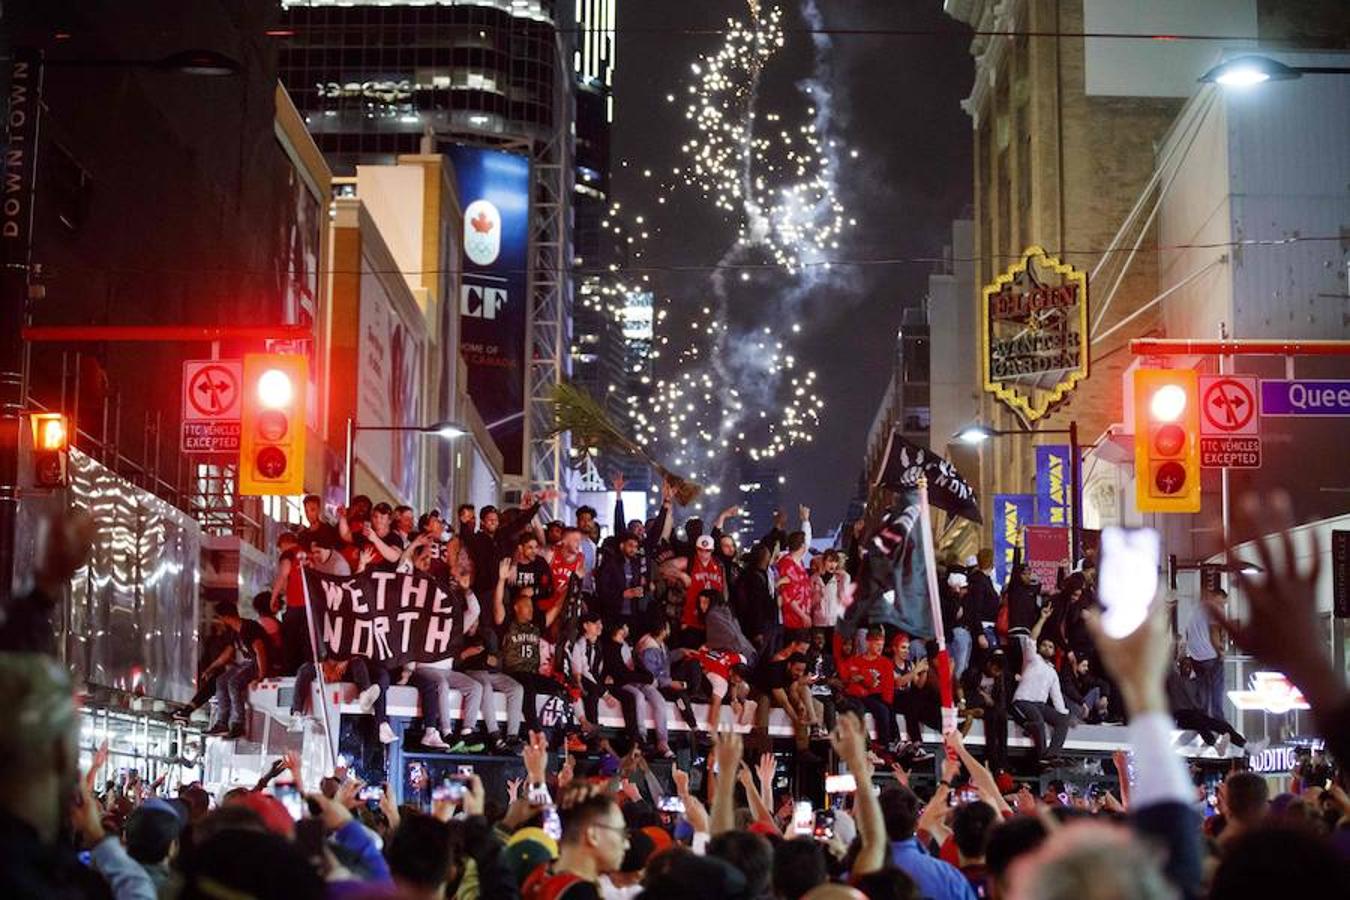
{"x":295,"y":588}
{"x":719,"y":662}
{"x":795,"y":596}
{"x":878,"y":677}
{"x":563,"y":570}
{"x":702,"y":576}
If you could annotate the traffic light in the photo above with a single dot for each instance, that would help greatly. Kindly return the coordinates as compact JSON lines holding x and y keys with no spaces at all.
{"x":50,"y":448}
{"x":1167,"y":440}
{"x":272,"y":425}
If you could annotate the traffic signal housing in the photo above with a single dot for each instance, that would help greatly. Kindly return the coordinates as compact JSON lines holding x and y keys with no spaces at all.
{"x":1167,"y":440}
{"x":272,"y":425}
{"x":51,"y":448}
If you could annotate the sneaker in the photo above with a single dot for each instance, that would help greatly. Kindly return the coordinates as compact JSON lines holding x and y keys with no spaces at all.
{"x":216,"y":729}
{"x":366,"y":699}
{"x":387,"y":735}
{"x":1254,"y":748}
{"x":181,"y":716}
{"x":575,"y":744}
{"x":818,"y":733}
{"x":511,"y":746}
{"x":663,"y":751}
{"x":235,"y":732}
{"x":919,"y":755}
{"x":1222,"y":744}
{"x":431,"y":739}
{"x":874,"y":759}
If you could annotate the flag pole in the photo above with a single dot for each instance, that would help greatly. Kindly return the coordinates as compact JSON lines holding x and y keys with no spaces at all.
{"x":944,"y":664}
{"x":330,"y":739}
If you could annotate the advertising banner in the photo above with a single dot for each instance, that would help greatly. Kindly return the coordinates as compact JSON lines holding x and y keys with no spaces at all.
{"x":1054,"y":494}
{"x":1034,"y":324}
{"x":391,"y":618}
{"x":494,"y":188}
{"x":1012,"y":513}
{"x":390,"y":364}
{"x":1047,"y":552}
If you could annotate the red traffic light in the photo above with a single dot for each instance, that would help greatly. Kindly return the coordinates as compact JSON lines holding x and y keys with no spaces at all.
{"x":1170,"y":478}
{"x":270,"y":462}
{"x":1169,"y":440}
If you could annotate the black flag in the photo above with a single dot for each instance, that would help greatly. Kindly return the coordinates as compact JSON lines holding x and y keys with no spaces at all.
{"x":904,"y":462}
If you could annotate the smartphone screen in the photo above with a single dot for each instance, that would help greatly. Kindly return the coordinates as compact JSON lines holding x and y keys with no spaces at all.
{"x":803,"y":817}
{"x":552,"y":823}
{"x":840,"y":784}
{"x":291,"y":799}
{"x":672,"y":804}
{"x":1128,"y":578}
{"x":824,"y":825}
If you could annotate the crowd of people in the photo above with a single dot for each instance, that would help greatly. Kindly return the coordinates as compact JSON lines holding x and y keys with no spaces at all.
{"x":601,"y":826}
{"x":651,"y":620}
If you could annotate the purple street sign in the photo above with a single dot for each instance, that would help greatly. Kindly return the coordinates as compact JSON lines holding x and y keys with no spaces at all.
{"x":1305,"y":397}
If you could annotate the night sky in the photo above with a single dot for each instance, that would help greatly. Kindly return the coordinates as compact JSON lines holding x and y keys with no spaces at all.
{"x":897,"y":102}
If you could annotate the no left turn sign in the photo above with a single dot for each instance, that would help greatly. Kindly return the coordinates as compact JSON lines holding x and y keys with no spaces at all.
{"x":1228,"y":405}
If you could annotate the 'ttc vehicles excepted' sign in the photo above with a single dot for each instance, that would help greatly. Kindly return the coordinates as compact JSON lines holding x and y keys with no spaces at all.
{"x":211,"y":404}
{"x":1230,"y":452}
{"x":1304,"y":397}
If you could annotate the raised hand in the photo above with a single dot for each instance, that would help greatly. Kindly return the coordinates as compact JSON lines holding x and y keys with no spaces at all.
{"x":727,"y":751}
{"x":535,"y":755}
{"x":766,"y":768}
{"x":474,"y":798}
{"x":617,"y":481}
{"x":681,"y":779}
{"x":513,"y":789}
{"x":901,"y":776}
{"x":1282,"y":630}
{"x":389,"y":807}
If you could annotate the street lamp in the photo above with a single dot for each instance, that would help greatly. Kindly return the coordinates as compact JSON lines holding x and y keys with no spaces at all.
{"x":976,"y":434}
{"x":1246,"y":71}
{"x":447,"y":430}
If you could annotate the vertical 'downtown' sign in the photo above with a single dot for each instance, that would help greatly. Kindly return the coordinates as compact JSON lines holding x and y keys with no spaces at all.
{"x":1034,"y":326}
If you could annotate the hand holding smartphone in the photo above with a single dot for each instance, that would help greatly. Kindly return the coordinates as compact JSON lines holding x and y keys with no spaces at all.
{"x":1127,"y":578}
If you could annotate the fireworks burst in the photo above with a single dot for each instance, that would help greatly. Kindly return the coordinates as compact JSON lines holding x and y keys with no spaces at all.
{"x":731,"y":391}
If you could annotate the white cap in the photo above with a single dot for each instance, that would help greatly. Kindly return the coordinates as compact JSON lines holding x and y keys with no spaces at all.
{"x":971,"y":562}
{"x":704,"y":542}
{"x":956,"y":580}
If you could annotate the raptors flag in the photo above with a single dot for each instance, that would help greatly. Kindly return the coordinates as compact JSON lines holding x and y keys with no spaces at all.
{"x":904,"y":462}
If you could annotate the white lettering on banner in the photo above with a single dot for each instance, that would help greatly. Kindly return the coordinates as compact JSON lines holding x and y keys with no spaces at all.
{"x":1274,"y":759}
{"x":438,"y":636}
{"x":357,"y":604}
{"x":332,"y":595}
{"x":439,"y":605}
{"x":381,"y":628}
{"x":1302,"y":397}
{"x":381,"y":579}
{"x":362,"y":638}
{"x":332,"y":633}
{"x":414,"y":593}
{"x":406,"y":619}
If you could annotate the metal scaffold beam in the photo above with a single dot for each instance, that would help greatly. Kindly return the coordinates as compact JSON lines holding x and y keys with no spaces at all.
{"x":550,"y":311}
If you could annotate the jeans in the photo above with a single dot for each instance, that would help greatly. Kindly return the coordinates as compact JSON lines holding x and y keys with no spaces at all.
{"x":650,"y":702}
{"x":961,"y":644}
{"x":360,"y":672}
{"x":1090,"y":700}
{"x":433,"y":687}
{"x":881,"y":717}
{"x":232,"y":692}
{"x":1209,"y":682}
{"x":515,"y":699}
{"x":1034,"y":718}
{"x":534,"y":684}
{"x":919,"y":706}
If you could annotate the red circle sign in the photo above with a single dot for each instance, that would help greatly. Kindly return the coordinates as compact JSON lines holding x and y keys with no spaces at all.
{"x":1228,"y":405}
{"x":212,"y":391}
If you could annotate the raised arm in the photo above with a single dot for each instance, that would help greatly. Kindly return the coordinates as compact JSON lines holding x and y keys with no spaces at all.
{"x":849,"y":745}
{"x":505,"y":572}
{"x":727,"y":752}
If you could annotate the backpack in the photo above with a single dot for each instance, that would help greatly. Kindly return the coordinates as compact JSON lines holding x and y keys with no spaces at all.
{"x":543,"y":884}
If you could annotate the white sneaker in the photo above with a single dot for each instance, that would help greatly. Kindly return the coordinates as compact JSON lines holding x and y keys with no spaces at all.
{"x":431,"y":738}
{"x":1222,"y":744}
{"x":387,"y":735}
{"x":366,"y":699}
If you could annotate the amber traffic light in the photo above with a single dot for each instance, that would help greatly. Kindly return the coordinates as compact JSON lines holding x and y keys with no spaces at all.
{"x":51,"y":445}
{"x":1167,"y":440}
{"x":272,"y":425}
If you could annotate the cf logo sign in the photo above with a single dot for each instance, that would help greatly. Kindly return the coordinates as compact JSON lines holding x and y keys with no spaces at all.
{"x":481,"y":302}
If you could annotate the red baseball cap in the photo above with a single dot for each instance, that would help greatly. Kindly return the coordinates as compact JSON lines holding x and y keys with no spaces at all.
{"x":274,"y":816}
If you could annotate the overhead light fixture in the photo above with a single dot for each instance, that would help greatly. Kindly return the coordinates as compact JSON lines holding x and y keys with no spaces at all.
{"x":974,"y":434}
{"x":1246,"y":71}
